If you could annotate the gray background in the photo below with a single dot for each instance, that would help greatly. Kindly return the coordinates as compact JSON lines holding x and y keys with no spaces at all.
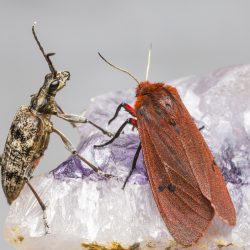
{"x":189,"y":37}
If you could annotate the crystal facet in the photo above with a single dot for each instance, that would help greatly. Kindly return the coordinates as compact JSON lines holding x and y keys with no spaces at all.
{"x":89,"y":212}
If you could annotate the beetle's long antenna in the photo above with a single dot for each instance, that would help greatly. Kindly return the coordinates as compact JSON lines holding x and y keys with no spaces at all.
{"x":46,"y":56}
{"x":123,"y":70}
{"x":149,"y":59}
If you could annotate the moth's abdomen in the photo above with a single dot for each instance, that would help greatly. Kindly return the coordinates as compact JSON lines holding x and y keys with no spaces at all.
{"x":26,"y":142}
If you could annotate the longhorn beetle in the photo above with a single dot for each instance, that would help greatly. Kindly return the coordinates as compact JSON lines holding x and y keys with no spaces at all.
{"x":30,"y":131}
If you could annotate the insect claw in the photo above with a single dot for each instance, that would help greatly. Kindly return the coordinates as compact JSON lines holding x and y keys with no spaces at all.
{"x":50,"y":54}
{"x":202,"y":127}
{"x":110,"y":121}
{"x":104,"y":131}
{"x":101,"y":173}
{"x":108,"y":176}
{"x":124,"y":184}
{"x":109,"y":134}
{"x":99,"y":146}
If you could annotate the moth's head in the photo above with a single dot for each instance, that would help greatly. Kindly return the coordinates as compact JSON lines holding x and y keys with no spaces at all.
{"x":54,"y":82}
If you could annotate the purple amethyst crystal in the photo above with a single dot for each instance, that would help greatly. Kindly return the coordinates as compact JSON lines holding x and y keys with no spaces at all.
{"x":121,"y":152}
{"x":71,"y":168}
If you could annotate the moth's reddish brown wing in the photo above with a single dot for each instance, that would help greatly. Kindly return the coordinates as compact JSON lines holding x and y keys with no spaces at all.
{"x":202,"y":161}
{"x":176,"y":153}
{"x":186,"y":212}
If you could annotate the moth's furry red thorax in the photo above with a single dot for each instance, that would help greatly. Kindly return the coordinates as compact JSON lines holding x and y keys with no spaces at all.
{"x":144,"y":89}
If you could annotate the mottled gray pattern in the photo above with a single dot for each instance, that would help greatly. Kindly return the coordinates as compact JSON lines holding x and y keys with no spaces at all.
{"x":26,"y":142}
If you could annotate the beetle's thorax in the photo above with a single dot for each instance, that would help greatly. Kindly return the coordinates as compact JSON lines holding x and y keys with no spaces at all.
{"x":42,"y":103}
{"x":44,"y":100}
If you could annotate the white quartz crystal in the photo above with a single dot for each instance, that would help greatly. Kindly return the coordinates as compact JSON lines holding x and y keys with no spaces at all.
{"x":82,"y":208}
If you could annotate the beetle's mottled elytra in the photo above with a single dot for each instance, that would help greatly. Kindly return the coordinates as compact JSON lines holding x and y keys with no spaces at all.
{"x":30,"y":131}
{"x":185,"y":180}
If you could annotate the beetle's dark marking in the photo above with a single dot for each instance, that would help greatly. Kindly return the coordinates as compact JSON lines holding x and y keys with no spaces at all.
{"x":12,"y":128}
{"x":171,"y":187}
{"x":28,"y":150}
{"x":10,"y":175}
{"x":19,"y":135}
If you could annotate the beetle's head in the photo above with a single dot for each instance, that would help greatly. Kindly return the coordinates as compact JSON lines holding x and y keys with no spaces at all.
{"x":43,"y":101}
{"x":54,"y":82}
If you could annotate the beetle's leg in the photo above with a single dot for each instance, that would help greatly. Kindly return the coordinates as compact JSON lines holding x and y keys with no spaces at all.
{"x":42,"y":205}
{"x":70,"y":147}
{"x":59,"y":108}
{"x":105,"y":132}
{"x":133,"y":165}
{"x":131,"y":121}
{"x":79,"y":119}
{"x":127,"y":107}
{"x":62,"y":112}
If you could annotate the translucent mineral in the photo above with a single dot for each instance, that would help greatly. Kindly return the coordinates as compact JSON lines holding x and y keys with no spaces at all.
{"x":85,"y":211}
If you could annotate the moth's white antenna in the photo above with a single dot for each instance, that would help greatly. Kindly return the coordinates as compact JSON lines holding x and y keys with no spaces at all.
{"x":149,"y":59}
{"x":116,"y":67}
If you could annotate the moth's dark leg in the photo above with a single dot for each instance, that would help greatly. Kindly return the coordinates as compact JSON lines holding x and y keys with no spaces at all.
{"x":79,"y":119}
{"x":127,"y":107}
{"x":131,"y":121}
{"x":42,"y":205}
{"x":202,"y":127}
{"x":133,"y":165}
{"x":70,"y":147}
